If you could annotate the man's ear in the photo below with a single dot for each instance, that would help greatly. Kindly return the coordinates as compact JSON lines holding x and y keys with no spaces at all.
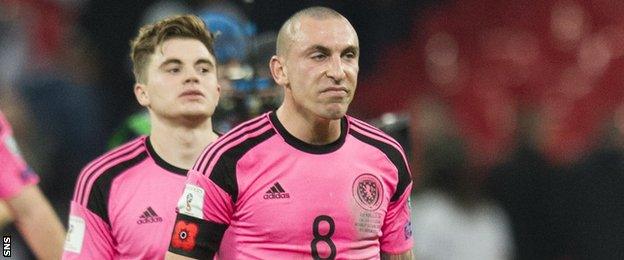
{"x":140,"y":92}
{"x":218,"y":92}
{"x":278,"y":71}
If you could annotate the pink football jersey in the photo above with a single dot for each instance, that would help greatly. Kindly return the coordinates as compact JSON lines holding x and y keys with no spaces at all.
{"x":124,"y":205}
{"x":14,"y":172}
{"x":260,"y":193}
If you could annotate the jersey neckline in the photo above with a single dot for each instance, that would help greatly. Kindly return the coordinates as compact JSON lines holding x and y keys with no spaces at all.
{"x":306,"y":147}
{"x":161,"y":162}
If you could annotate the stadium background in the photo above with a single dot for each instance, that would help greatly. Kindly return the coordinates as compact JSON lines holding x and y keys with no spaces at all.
{"x":508,"y":109}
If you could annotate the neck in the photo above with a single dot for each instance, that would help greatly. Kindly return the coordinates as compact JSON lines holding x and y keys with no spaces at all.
{"x":180,"y":144}
{"x":308,"y":127}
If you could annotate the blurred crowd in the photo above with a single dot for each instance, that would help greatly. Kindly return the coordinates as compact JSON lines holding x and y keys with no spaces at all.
{"x":511,"y":111}
{"x":515,"y":112}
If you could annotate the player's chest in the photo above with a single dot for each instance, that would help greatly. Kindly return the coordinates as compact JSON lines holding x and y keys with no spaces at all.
{"x":144,"y":212}
{"x":298,"y":198}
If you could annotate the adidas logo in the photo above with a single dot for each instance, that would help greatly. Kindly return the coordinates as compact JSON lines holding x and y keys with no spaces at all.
{"x":276,"y":192}
{"x":149,"y":216}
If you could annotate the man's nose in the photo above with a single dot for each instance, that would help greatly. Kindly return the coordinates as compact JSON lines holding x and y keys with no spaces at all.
{"x":191,"y":76}
{"x":335,"y":69}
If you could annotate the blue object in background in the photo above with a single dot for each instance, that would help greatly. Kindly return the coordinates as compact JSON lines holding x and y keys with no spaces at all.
{"x":232,"y":35}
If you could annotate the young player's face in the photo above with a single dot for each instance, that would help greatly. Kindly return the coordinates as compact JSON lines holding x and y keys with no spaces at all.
{"x":182,"y":80}
{"x":322,"y":66}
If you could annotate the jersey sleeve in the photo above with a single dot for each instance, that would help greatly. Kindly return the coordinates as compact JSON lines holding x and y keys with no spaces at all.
{"x":397,"y":228}
{"x":204,"y":213}
{"x":88,"y":236}
{"x":14,"y":172}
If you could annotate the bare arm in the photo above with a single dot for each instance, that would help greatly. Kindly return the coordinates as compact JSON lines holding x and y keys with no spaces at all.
{"x":403,"y":256}
{"x":174,"y":256}
{"x":5,"y":215}
{"x":38,"y":223}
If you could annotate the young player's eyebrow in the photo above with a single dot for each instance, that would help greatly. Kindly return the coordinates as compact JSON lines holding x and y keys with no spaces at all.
{"x":204,"y":61}
{"x":170,"y":61}
{"x":178,"y":62}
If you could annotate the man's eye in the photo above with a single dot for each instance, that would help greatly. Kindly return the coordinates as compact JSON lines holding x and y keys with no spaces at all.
{"x":349,"y":55}
{"x":173,"y":70}
{"x":318,"y":57}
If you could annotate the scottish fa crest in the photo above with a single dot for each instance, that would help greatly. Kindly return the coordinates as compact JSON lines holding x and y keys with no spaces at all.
{"x":368,"y":191}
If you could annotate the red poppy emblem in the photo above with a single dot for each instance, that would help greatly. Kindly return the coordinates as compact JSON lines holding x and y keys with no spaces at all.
{"x":184,"y":235}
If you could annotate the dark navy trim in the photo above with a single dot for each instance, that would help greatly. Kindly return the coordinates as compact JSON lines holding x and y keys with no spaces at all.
{"x":91,"y":170}
{"x":161,"y":162}
{"x":225,"y":143}
{"x":395,"y":157}
{"x":306,"y":147}
{"x":234,"y":132}
{"x":223,"y":174}
{"x":100,"y":192}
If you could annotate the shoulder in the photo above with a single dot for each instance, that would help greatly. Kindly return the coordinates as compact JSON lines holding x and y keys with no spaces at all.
{"x":218,"y":161}
{"x":236,"y":142}
{"x":387,"y":145}
{"x":101,"y":171}
{"x":373,"y":136}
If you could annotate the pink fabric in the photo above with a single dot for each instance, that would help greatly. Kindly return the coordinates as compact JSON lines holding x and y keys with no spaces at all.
{"x":14,"y":172}
{"x":98,"y":242}
{"x":313,"y":185}
{"x":144,"y":188}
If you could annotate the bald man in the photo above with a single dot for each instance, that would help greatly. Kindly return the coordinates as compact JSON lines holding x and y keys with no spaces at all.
{"x":305,"y":181}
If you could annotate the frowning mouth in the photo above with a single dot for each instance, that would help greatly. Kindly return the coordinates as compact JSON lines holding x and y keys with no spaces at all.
{"x":335,"y":89}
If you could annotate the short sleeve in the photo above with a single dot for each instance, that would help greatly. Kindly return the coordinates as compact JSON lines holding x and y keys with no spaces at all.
{"x":204,"y":213}
{"x":14,"y":172}
{"x":88,"y":236}
{"x":397,"y":228}
{"x":204,"y":199}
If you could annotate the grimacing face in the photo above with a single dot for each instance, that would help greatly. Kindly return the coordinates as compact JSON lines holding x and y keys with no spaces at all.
{"x":181,"y":81}
{"x":321,"y":66}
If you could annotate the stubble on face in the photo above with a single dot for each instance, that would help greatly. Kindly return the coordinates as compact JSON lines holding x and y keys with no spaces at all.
{"x":309,"y":80}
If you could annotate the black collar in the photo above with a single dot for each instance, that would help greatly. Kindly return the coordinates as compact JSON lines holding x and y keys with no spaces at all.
{"x":161,"y":162}
{"x":306,"y":147}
